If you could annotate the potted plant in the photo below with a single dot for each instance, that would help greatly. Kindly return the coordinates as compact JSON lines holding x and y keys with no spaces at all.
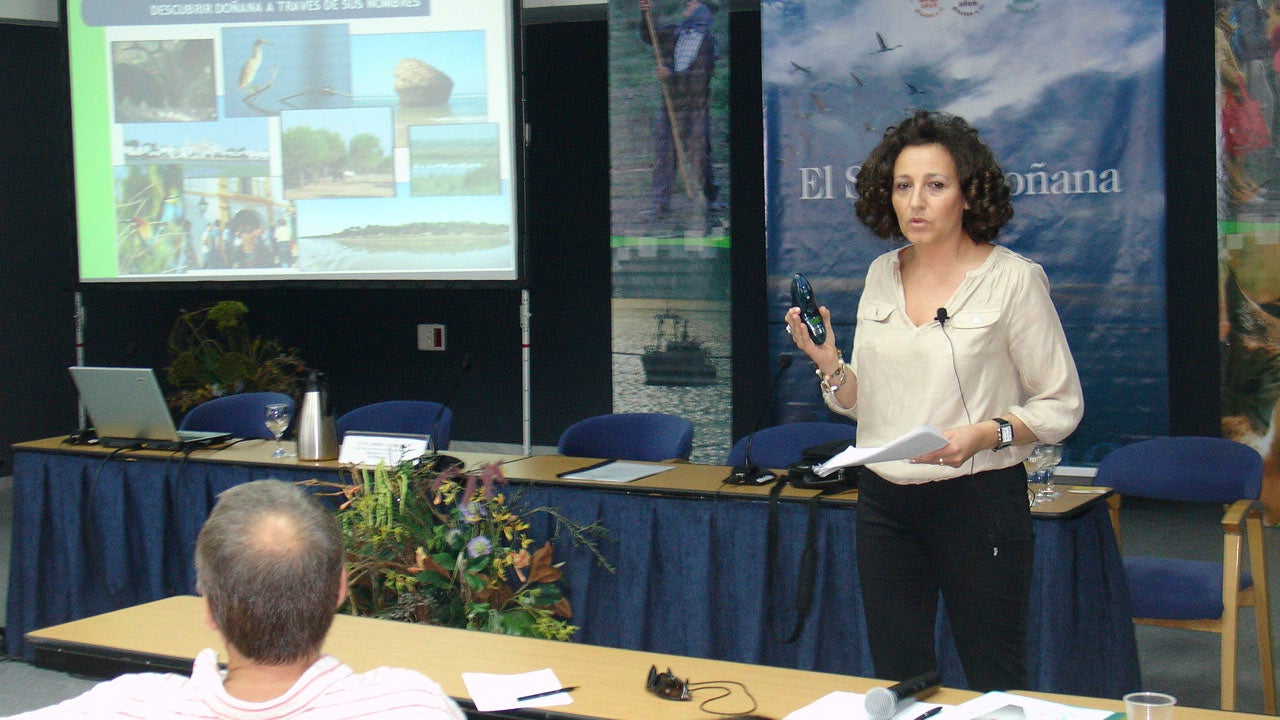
{"x":212,"y":353}
{"x":448,"y":548}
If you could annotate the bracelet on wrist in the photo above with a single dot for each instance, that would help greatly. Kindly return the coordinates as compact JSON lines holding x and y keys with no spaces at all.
{"x":833,"y":381}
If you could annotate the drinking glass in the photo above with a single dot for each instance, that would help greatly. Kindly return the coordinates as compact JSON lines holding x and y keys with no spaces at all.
{"x":277,"y":421}
{"x":1035,"y":464}
{"x":1149,"y":706}
{"x":1051,"y":456}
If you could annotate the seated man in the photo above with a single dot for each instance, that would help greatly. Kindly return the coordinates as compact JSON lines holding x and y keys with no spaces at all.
{"x":269,"y":563}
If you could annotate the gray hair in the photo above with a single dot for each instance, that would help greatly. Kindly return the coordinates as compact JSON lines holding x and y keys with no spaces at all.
{"x":269,"y":561}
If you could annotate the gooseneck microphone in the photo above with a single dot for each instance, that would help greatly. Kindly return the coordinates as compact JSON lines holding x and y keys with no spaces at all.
{"x":883,"y":703}
{"x":748,"y":473}
{"x":438,"y":461}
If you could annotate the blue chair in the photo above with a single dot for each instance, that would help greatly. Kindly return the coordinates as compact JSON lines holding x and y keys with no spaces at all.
{"x":1201,"y":594}
{"x":409,"y":417}
{"x":782,"y":445}
{"x":629,"y":436}
{"x":242,"y":415}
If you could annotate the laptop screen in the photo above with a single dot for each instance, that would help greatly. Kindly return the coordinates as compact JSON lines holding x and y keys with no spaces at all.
{"x":126,"y":403}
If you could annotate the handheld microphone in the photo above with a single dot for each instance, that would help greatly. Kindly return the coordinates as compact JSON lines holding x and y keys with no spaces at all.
{"x":942,"y":317}
{"x":748,"y":473}
{"x":438,"y":461}
{"x":883,"y":703}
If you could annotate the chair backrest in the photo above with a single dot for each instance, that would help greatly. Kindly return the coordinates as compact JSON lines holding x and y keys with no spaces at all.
{"x":413,"y":417}
{"x":629,"y":436}
{"x":242,"y":415}
{"x":1199,"y":469}
{"x":782,"y":445}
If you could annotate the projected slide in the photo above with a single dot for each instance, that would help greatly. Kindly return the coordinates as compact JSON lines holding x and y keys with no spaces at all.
{"x":294,"y":139}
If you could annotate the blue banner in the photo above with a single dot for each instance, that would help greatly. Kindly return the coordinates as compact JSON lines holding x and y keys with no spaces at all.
{"x":1070,"y":98}
{"x":1249,"y":232}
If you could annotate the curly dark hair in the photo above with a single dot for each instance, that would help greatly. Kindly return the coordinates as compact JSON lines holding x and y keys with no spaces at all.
{"x":983,"y":183}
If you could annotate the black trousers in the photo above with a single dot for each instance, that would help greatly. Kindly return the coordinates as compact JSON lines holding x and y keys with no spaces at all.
{"x":969,"y":539}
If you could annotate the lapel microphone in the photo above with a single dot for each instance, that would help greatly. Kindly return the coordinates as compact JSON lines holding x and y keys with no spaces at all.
{"x":942,"y":317}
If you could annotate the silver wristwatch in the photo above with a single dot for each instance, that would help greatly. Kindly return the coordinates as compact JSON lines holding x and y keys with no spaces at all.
{"x":1004,"y":433}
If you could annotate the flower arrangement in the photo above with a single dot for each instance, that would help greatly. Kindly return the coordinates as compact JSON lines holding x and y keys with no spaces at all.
{"x":212,"y":354}
{"x":446,"y":548}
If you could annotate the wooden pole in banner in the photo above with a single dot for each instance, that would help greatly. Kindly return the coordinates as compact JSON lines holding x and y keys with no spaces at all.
{"x":671,"y":111}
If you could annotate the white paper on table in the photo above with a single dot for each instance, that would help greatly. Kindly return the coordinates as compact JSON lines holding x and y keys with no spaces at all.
{"x":1006,"y":706}
{"x":618,"y":471}
{"x":492,"y":692}
{"x":911,"y":444}
{"x":853,"y":706}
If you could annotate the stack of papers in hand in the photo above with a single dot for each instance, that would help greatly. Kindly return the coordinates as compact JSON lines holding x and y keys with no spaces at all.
{"x":912,"y":444}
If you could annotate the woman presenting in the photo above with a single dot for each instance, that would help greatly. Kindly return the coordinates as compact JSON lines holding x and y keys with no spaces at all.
{"x":958,"y":333}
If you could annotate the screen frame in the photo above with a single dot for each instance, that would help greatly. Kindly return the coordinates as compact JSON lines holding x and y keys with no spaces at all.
{"x":516,"y":142}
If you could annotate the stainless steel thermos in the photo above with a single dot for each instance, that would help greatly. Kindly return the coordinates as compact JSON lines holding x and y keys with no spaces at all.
{"x":316,"y":432}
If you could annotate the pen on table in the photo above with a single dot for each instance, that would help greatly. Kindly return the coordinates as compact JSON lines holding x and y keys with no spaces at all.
{"x":546,"y":693}
{"x":929,"y":713}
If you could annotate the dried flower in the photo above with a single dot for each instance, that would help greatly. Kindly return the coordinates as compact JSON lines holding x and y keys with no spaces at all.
{"x":479,"y":547}
{"x":213,"y":354}
{"x":438,"y":547}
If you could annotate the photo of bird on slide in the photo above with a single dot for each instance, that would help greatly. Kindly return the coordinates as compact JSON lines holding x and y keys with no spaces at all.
{"x":269,"y":69}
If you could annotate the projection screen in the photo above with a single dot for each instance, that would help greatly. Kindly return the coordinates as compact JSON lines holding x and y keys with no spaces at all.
{"x":295,"y":139}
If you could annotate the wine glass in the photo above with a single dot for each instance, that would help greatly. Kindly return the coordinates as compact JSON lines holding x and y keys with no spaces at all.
{"x":278,"y":416}
{"x":1035,"y":465}
{"x":1050,"y":457}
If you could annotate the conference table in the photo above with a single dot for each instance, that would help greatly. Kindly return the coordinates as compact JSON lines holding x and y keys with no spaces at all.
{"x":610,"y":682}
{"x":95,"y":532}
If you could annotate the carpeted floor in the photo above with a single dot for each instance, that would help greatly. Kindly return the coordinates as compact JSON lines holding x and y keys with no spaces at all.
{"x":1182,"y":663}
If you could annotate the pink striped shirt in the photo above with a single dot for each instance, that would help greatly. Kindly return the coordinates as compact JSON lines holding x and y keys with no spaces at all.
{"x":328,"y":690}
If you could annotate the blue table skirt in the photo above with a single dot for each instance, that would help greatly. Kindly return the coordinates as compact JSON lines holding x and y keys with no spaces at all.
{"x":90,"y":537}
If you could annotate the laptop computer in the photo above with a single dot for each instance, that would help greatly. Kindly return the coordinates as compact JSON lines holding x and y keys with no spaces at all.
{"x":127,"y":410}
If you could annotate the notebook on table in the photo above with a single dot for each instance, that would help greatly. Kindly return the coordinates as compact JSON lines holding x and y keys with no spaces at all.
{"x":127,"y":410}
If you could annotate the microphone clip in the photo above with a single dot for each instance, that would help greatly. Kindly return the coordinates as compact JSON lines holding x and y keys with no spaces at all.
{"x":750,"y":475}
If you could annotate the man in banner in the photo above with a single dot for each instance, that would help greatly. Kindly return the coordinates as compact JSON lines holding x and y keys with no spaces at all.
{"x":686,"y":55}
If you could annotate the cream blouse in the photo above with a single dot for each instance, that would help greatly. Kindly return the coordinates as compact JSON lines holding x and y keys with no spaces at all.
{"x":1006,"y":354}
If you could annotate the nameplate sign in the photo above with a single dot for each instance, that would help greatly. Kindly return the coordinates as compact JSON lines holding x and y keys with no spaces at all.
{"x":366,"y":448}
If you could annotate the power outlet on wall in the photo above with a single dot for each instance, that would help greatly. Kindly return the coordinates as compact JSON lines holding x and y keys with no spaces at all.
{"x":431,"y":337}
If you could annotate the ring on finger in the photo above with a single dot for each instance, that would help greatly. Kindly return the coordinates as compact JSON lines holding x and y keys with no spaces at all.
{"x":789,"y":330}
{"x":941,"y":461}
